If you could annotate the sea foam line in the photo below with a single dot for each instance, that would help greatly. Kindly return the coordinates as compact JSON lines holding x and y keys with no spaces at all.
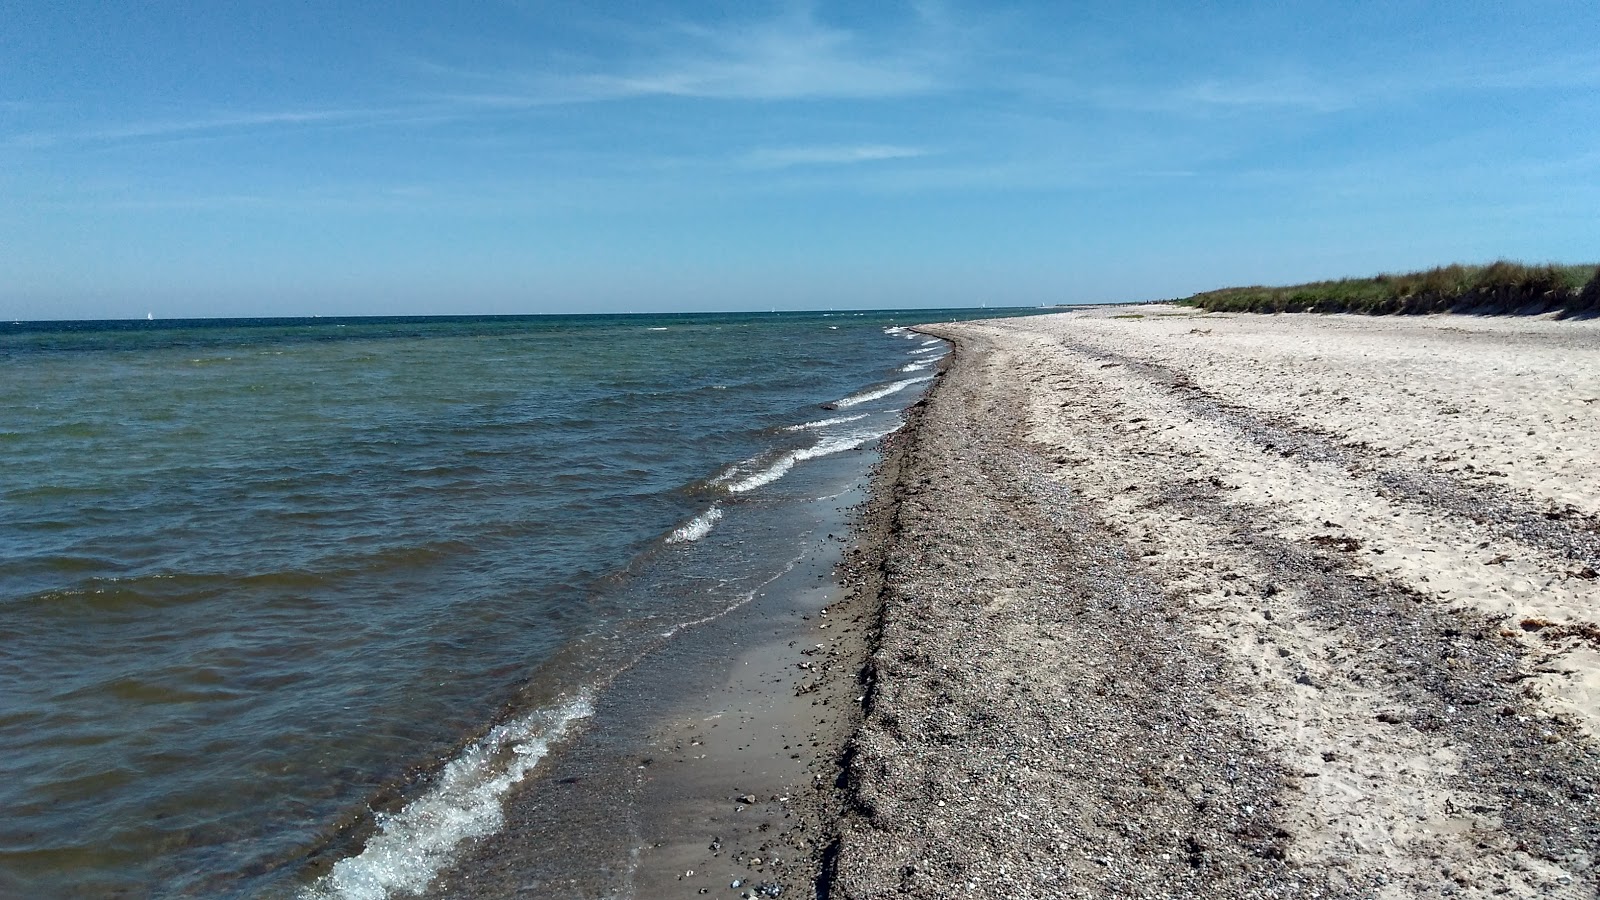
{"x":697,"y":527}
{"x":824,"y":423}
{"x":741,"y":600}
{"x":878,"y":393}
{"x":916,"y":366}
{"x":412,"y":845}
{"x":781,"y":466}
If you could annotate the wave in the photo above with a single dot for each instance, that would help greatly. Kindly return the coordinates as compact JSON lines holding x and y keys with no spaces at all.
{"x":412,"y":845}
{"x":696,"y":528}
{"x":781,"y":466}
{"x":922,"y":351}
{"x":916,"y":366}
{"x":879,"y":393}
{"x":932,"y":342}
{"x":824,"y":423}
{"x":739,"y":601}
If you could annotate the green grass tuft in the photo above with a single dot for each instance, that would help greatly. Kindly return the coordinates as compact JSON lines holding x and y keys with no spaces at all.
{"x":1496,"y":289}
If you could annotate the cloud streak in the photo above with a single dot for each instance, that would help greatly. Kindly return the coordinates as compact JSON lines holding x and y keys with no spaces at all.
{"x":787,"y":157}
{"x":201,"y":126}
{"x":790,"y":57}
{"x":794,"y":58}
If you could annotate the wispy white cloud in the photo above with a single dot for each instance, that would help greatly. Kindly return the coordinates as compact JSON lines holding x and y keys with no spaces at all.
{"x":198,"y":126}
{"x":225,"y":122}
{"x":790,"y":57}
{"x":795,"y":57}
{"x":1337,"y":90}
{"x":1262,"y":93}
{"x":785,"y":157}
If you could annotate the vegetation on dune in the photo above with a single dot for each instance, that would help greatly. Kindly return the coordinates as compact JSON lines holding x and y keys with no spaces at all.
{"x":1496,"y":289}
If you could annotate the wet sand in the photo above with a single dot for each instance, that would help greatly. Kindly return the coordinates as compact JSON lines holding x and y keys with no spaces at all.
{"x":1186,"y":605}
{"x":711,"y":762}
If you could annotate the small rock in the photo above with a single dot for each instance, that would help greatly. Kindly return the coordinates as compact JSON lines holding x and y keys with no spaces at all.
{"x":748,"y":799}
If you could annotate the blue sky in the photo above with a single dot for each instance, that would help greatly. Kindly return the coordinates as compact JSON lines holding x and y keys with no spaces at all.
{"x":221,"y":158}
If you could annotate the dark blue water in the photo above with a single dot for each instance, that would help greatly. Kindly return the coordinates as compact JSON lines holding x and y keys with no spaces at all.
{"x":258,"y":578}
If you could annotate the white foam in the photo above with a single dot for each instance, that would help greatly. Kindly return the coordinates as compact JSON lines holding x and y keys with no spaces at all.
{"x":412,"y":845}
{"x":932,"y":342}
{"x":825,"y":447}
{"x":879,"y":393}
{"x":921,"y":351}
{"x":894,"y":329}
{"x":916,"y":366}
{"x":824,"y":423}
{"x":697,"y":527}
{"x":694,"y":623}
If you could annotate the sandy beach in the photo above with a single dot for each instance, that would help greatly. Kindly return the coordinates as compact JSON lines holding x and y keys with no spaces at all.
{"x":1143,"y":602}
{"x":1191,"y":605}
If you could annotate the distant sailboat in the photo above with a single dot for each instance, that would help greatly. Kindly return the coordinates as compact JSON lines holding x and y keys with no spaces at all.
{"x":149,"y":317}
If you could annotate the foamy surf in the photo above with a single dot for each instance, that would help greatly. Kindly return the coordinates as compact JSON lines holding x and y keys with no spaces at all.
{"x":824,"y":423}
{"x":412,"y":845}
{"x":916,"y":366}
{"x":696,"y":528}
{"x":880,"y":393}
{"x":781,"y":466}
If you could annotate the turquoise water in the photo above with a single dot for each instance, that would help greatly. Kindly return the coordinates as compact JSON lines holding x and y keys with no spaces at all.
{"x":262,"y":578}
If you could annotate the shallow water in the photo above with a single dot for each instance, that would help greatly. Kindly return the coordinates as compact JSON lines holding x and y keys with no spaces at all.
{"x":262,"y":578}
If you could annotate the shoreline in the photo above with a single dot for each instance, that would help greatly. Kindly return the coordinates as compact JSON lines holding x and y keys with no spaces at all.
{"x":712,"y":759}
{"x":1168,"y":605}
{"x":1182,"y":604}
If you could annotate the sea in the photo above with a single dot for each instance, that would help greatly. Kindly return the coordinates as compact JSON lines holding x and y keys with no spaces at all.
{"x":289,"y":607}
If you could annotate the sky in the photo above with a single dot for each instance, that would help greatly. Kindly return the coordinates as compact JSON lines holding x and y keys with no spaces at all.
{"x":222,"y":158}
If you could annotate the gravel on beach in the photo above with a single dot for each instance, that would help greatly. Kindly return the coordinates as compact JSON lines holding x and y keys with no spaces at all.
{"x":1184,"y":605}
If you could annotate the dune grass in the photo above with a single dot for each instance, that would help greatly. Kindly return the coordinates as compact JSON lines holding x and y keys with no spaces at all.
{"x":1500,"y":288}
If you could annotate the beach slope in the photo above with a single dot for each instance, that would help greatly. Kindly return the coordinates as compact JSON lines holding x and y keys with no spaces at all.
{"x":1189,"y":605}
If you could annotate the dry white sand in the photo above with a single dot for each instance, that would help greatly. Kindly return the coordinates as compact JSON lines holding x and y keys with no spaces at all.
{"x":1359,"y":553}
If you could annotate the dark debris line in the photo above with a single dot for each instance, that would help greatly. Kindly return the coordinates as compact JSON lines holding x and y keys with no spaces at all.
{"x":1466,"y":673}
{"x":1562,"y":531}
{"x":1453,"y":669}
